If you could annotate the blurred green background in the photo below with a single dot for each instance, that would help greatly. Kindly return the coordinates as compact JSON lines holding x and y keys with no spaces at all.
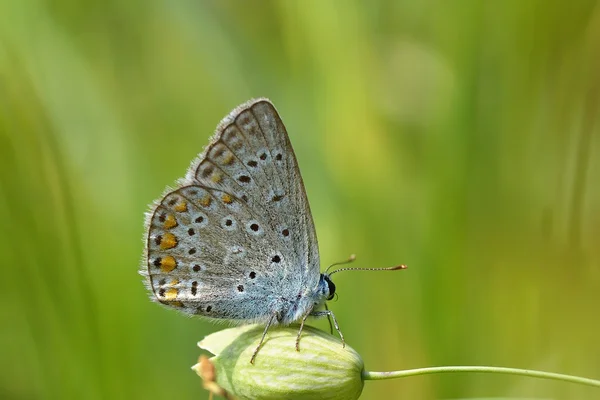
{"x":460,"y":138}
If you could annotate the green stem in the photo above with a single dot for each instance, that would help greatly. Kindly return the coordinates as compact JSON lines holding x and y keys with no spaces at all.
{"x":498,"y":370}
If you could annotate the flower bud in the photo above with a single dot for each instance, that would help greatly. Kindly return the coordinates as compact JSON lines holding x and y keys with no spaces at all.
{"x":322,"y":369}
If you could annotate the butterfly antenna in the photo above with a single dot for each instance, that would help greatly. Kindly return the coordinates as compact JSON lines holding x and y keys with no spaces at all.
{"x":397,"y":267}
{"x":348,"y":261}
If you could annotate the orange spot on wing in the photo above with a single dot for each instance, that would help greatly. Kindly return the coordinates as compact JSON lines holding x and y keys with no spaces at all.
{"x":171,"y":294}
{"x":168,"y":241}
{"x":168,"y":264}
{"x":227,"y":199}
{"x":228,"y":159}
{"x":181,"y":207}
{"x":170,"y":222}
{"x":216,"y":177}
{"x":205,"y":201}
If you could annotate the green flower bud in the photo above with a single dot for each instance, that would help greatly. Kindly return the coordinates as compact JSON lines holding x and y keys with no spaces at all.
{"x":322,"y":369}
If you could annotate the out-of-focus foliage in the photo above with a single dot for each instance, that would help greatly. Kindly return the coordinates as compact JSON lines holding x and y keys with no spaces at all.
{"x":461,"y":138}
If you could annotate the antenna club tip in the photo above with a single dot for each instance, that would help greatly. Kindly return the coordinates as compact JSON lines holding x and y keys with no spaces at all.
{"x":352,"y":257}
{"x":399,"y":267}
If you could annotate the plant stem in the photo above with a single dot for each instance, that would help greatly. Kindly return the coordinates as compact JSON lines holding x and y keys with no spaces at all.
{"x":498,"y":370}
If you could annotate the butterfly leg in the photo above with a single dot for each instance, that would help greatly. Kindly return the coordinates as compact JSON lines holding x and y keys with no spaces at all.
{"x":262,"y":339}
{"x":329,"y":313}
{"x":300,"y":331}
{"x":329,"y":320}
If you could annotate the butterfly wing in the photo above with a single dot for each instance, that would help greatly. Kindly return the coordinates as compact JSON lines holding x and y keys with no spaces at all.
{"x":236,"y":238}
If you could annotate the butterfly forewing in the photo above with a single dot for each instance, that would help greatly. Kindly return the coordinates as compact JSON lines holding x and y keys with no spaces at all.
{"x":237,"y":235}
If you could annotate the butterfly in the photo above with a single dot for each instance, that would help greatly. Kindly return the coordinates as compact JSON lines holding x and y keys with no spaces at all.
{"x":235,"y":240}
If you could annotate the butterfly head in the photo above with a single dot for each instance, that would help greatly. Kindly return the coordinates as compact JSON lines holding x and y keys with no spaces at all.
{"x":327,"y":286}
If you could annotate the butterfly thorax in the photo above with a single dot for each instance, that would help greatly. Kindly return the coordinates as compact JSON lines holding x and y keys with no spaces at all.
{"x":311,"y":300}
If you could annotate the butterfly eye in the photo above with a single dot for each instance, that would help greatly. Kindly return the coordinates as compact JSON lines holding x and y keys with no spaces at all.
{"x":330,"y":286}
